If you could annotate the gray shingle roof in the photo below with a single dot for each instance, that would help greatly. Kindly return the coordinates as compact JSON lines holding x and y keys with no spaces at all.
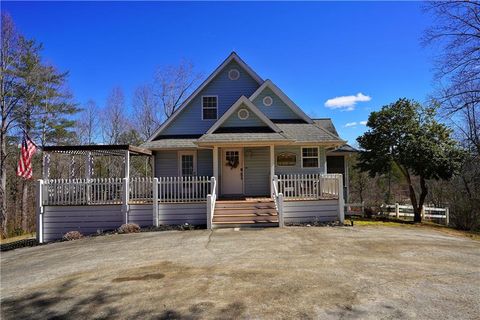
{"x":241,"y":137}
{"x":305,"y":132}
{"x":326,"y":123}
{"x":175,"y":143}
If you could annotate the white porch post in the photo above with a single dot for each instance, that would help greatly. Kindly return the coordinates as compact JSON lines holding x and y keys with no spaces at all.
{"x":215,"y":166}
{"x":46,"y":166}
{"x":88,"y":165}
{"x":127,"y":164}
{"x":272,"y":166}
{"x":341,"y":202}
{"x":40,"y":211}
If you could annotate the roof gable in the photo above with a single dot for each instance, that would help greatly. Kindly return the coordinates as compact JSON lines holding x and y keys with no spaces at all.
{"x":243,"y":102}
{"x":268,"y":84}
{"x":233,"y":57}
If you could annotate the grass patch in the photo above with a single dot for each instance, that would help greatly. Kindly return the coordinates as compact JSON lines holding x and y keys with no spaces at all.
{"x":363,"y":222}
{"x":22,"y":237}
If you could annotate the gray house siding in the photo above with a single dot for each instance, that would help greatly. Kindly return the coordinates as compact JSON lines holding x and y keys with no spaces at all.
{"x":257,"y":171}
{"x":205,"y":162}
{"x":166,"y":163}
{"x":310,"y":211}
{"x":58,"y":220}
{"x":180,"y":213}
{"x":278,"y":109}
{"x":297,"y":168}
{"x":252,"y":121}
{"x":189,"y":121}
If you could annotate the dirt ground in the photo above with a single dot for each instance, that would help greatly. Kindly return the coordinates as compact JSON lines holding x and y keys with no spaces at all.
{"x":320,"y":273}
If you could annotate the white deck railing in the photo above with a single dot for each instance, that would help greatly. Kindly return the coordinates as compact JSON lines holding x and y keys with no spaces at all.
{"x":211,"y":199}
{"x":141,"y":190}
{"x":82,"y":191}
{"x":183,"y":189}
{"x":309,"y":186}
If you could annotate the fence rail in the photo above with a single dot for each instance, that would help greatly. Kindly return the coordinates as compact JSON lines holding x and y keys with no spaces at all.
{"x":309,"y":186}
{"x":82,"y":191}
{"x":427,"y":212}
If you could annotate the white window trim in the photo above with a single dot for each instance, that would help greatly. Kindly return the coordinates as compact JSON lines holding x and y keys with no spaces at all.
{"x":210,"y":96}
{"x":179,"y":161}
{"x":310,"y":157}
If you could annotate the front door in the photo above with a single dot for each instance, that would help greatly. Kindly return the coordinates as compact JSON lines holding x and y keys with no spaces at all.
{"x":187,"y":164}
{"x":232,"y":171}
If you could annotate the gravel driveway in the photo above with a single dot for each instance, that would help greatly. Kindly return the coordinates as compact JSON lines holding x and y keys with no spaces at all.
{"x":320,"y":273}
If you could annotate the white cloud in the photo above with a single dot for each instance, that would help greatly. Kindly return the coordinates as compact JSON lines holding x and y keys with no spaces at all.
{"x":346,"y":103}
{"x":351,"y":124}
{"x":363,"y":123}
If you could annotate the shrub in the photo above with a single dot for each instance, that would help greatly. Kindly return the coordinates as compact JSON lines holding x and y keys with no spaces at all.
{"x":129,"y":228}
{"x":72,"y":235}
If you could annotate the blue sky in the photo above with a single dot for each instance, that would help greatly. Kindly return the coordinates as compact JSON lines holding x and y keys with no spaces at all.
{"x":313,"y":51}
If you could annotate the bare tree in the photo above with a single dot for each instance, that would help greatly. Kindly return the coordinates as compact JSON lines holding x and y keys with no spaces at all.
{"x":87,"y":124}
{"x":114,"y":121}
{"x":173,"y":84}
{"x":147,"y":114}
{"x":8,"y":86}
{"x":456,"y":30}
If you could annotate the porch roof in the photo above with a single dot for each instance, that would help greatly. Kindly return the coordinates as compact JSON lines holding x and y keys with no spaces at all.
{"x":244,"y":137}
{"x":171,"y":143}
{"x":306,"y":132}
{"x":101,"y":149}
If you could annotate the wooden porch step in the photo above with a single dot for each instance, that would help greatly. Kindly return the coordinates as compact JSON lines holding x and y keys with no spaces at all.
{"x":242,"y":220}
{"x":254,"y":214}
{"x":244,"y":210}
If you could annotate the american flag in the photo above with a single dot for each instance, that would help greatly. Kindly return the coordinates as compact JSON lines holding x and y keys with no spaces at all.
{"x":28,"y":149}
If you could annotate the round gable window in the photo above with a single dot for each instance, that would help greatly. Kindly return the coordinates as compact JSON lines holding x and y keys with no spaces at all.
{"x":243,"y":114}
{"x":233,"y":74}
{"x":267,"y":101}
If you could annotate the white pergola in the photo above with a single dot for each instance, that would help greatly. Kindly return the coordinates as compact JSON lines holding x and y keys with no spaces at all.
{"x":90,"y":151}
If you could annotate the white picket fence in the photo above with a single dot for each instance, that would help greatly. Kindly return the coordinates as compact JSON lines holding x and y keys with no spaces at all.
{"x":404,"y":211}
{"x":309,"y":186}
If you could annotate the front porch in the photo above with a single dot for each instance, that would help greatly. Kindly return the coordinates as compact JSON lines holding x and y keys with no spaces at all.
{"x":89,"y":205}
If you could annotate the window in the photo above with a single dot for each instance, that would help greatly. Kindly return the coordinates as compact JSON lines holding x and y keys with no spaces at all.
{"x":310,"y":157}
{"x":209,"y":107}
{"x":243,"y":114}
{"x":267,"y":101}
{"x":286,"y":159}
{"x":233,"y":74}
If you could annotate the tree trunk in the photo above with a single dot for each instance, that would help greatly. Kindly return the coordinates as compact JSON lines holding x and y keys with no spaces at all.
{"x":25,"y":206}
{"x":417,"y":210}
{"x":3,"y":184}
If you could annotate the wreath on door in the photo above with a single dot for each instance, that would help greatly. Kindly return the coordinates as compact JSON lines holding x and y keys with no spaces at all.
{"x":232,"y":162}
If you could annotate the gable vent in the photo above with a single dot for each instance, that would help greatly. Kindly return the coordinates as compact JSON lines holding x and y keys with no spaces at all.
{"x":233,"y":74}
{"x":267,"y":101}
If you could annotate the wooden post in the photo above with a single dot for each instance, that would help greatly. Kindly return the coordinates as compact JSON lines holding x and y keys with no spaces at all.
{"x":125,"y":198}
{"x":447,"y":216}
{"x":215,"y":166}
{"x":272,"y":166}
{"x":155,"y":201}
{"x":40,"y":211}
{"x":341,"y":202}
{"x":397,"y":210}
{"x":209,"y":211}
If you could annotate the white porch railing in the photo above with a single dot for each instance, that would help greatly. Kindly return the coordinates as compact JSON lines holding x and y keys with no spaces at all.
{"x":141,"y":190}
{"x":278,"y":200}
{"x":211,"y":199}
{"x":183,"y":189}
{"x":82,"y":191}
{"x":309,"y":186}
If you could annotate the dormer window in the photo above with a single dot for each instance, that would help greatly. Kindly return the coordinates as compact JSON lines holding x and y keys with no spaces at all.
{"x":209,"y":107}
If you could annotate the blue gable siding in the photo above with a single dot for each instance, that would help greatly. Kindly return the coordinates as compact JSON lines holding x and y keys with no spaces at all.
{"x":252,"y":121}
{"x":278,"y":109}
{"x":189,"y":121}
